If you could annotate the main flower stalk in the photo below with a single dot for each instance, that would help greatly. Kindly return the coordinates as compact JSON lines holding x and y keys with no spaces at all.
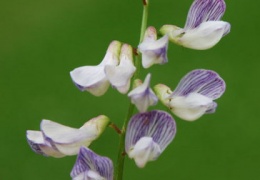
{"x":119,"y":169}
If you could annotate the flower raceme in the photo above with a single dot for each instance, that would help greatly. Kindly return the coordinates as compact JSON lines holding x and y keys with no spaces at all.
{"x":116,"y":69}
{"x":203,"y":28}
{"x":194,"y":94}
{"x":57,"y":140}
{"x":147,"y":136}
{"x":153,"y":51}
{"x":90,"y":166}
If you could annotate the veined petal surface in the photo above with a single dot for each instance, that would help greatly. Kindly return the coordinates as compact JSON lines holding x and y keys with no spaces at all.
{"x":89,"y":165}
{"x":204,"y":82}
{"x":148,"y":134}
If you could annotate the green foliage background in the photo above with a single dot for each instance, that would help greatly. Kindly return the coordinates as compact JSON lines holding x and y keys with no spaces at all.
{"x":41,"y":41}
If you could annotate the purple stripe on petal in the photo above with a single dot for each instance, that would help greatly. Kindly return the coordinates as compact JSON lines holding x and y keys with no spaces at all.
{"x":87,"y":160}
{"x":156,"y":124}
{"x":204,"y":10}
{"x":205,"y":82}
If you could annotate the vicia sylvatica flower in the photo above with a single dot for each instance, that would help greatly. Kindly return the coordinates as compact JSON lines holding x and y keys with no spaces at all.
{"x":90,"y":166}
{"x":143,"y":96}
{"x":93,"y":78}
{"x":203,"y":28}
{"x":153,"y":51}
{"x":147,"y":136}
{"x":57,"y":140}
{"x":194,"y":94}
{"x":119,"y":76}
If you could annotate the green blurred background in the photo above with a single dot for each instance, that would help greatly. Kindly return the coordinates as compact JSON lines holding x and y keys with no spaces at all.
{"x":41,"y":41}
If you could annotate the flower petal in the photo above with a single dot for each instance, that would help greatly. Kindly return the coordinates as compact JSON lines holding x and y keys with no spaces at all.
{"x":191,"y":107}
{"x":204,"y":10}
{"x":90,"y":78}
{"x":40,"y":146}
{"x":120,"y":76}
{"x":205,"y":82}
{"x":89,"y":164}
{"x":205,"y":36}
{"x":144,"y":150}
{"x":153,"y":51}
{"x":68,"y":140}
{"x":158,"y":125}
{"x":93,"y":78}
{"x":143,"y":96}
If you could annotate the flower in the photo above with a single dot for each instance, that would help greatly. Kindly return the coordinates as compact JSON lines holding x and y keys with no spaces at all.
{"x":147,"y":136}
{"x":93,"y":78}
{"x":90,"y":166}
{"x":194,"y":94}
{"x":153,"y":51}
{"x":57,"y":140}
{"x":203,"y":28}
{"x":119,"y":76}
{"x":143,"y":96}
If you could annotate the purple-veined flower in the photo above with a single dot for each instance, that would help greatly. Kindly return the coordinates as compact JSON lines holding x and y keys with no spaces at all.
{"x":153,"y":51}
{"x":119,"y":76}
{"x":143,"y":96}
{"x":203,"y":28}
{"x":90,"y":166}
{"x":147,"y":136}
{"x":93,"y":78}
{"x":57,"y":140}
{"x":194,"y":94}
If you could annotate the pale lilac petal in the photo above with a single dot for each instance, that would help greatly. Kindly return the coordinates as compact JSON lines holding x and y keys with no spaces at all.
{"x":205,"y":82}
{"x":212,"y":108}
{"x":227,"y":29}
{"x":90,"y":164}
{"x":39,"y":145}
{"x":204,"y":10}
{"x":68,"y":140}
{"x":153,"y":51}
{"x":158,"y":125}
{"x":143,"y":96}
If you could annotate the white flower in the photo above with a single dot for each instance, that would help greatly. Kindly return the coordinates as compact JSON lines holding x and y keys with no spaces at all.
{"x":57,"y":140}
{"x":143,"y":96}
{"x":153,"y":51}
{"x":194,"y":94}
{"x":93,"y":78}
{"x":120,"y":76}
{"x":203,"y":28}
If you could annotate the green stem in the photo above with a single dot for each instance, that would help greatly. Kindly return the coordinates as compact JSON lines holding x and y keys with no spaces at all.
{"x":121,"y":150}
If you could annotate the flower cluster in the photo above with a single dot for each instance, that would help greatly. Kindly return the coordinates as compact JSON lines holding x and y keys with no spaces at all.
{"x":148,"y":133}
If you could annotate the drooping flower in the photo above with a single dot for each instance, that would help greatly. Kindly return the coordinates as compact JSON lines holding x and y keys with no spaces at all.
{"x":194,"y":94}
{"x":57,"y":140}
{"x":147,"y":136}
{"x":203,"y":28}
{"x":93,"y":78}
{"x":153,"y":51}
{"x":143,"y":96}
{"x":90,"y":166}
{"x":119,"y":76}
